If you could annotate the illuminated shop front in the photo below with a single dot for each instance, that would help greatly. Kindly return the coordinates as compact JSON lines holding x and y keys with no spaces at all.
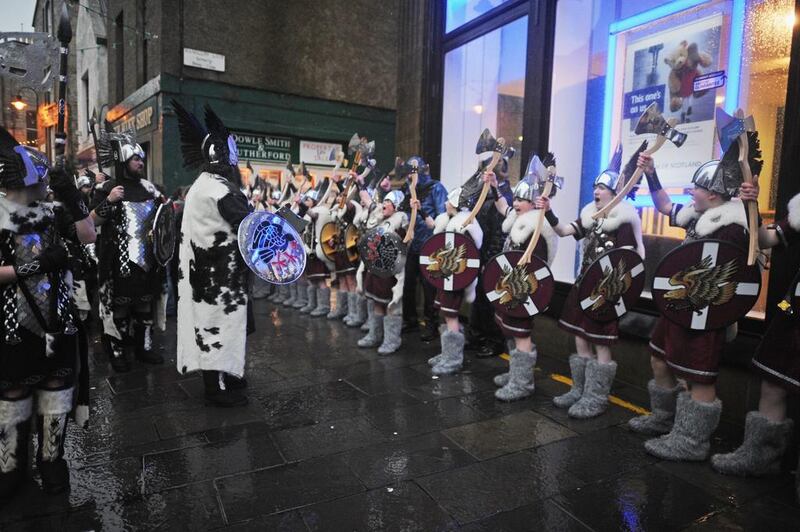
{"x":573,"y":76}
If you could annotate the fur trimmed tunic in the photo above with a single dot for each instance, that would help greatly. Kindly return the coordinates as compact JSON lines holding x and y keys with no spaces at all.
{"x":622,"y":228}
{"x":695,"y":355}
{"x":212,"y":281}
{"x":388,"y":291}
{"x":520,"y":229}
{"x":449,"y":302}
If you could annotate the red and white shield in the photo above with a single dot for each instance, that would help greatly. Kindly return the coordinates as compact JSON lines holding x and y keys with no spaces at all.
{"x":611,"y":284}
{"x":705,"y":285}
{"x":518,"y":292}
{"x":449,"y":261}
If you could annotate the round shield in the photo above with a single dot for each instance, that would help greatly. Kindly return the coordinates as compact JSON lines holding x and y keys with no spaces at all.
{"x":350,"y":238}
{"x":271,"y":247}
{"x":449,"y":261}
{"x":705,"y":285}
{"x":165,"y":233}
{"x":611,"y":284}
{"x":330,"y":240}
{"x":518,"y":291}
{"x":383,"y":252}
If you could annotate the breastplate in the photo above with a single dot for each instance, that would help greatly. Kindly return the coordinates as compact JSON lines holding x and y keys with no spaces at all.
{"x":138,"y":222}
{"x":597,"y":243}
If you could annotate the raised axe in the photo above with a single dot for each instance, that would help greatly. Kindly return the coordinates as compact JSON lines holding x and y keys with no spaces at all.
{"x":498,"y":147}
{"x":64,"y":36}
{"x":651,"y":121}
{"x":92,"y":123}
{"x":413,"y":173}
{"x":735,"y":128}
{"x":544,"y":178}
{"x":285,"y":187}
{"x":360,"y":149}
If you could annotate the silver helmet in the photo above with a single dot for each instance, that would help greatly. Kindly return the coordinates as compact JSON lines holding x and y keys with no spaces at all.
{"x":704,"y":176}
{"x":395,"y":197}
{"x":609,"y":177}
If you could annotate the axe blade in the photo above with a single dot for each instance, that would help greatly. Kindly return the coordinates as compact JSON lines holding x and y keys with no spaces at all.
{"x":653,"y":122}
{"x":486,"y":142}
{"x":730,"y":127}
{"x":355,"y":142}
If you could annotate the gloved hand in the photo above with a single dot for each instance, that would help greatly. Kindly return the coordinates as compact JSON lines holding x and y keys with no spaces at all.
{"x":51,"y":260}
{"x":67,"y":193}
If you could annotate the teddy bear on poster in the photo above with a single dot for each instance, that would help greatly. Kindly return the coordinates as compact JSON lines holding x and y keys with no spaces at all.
{"x":685,"y":62}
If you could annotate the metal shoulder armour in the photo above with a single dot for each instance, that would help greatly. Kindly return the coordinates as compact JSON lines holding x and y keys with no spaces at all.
{"x":138,"y":222}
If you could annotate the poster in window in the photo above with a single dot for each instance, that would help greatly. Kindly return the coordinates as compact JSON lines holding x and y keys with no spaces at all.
{"x":680,"y":69}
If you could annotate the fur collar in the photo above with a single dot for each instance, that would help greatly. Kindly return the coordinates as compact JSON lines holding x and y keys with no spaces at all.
{"x":360,"y":215}
{"x":623,"y":213}
{"x":730,"y":212}
{"x":794,"y":213}
{"x":444,"y":223}
{"x":521,"y":228}
{"x":396,"y":221}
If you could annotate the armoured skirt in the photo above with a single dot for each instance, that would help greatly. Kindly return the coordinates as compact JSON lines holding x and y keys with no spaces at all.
{"x":27,"y":363}
{"x":778,"y":357}
{"x":448,"y":303}
{"x":693,"y":355}
{"x":576,"y":322}
{"x":343,"y":265}
{"x":378,"y":289}
{"x":316,"y":269}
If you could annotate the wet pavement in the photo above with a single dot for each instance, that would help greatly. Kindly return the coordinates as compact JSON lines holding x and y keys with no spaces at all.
{"x":338,"y":438}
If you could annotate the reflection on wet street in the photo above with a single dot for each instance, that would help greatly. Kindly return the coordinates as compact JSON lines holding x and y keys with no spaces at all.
{"x":338,"y":438}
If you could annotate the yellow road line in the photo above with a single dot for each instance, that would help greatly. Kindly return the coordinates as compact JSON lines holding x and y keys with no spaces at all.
{"x":611,"y":398}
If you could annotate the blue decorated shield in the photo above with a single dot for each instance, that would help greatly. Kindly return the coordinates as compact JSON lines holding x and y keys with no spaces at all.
{"x":272,"y":247}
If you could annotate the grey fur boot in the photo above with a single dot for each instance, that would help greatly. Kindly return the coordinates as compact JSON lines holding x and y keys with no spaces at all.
{"x":594,"y":401}
{"x":352,"y":303}
{"x":374,"y":337}
{"x":761,"y":451}
{"x":359,"y":312}
{"x":662,"y":405}
{"x":341,"y":306}
{"x":577,"y":369}
{"x":391,"y":335}
{"x":311,"y":299}
{"x":370,"y":312}
{"x":282,"y":292}
{"x":302,"y":296}
{"x":289,"y":301}
{"x":690,"y":437}
{"x":520,"y":383}
{"x":452,"y":354}
{"x":323,"y":302}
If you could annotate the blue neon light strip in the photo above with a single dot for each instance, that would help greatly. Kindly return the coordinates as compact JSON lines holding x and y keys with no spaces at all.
{"x":665,"y":10}
{"x":735,"y":56}
{"x":646,"y":200}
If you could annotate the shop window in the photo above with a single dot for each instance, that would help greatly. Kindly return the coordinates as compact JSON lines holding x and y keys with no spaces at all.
{"x":612,"y":56}
{"x":459,"y":12}
{"x":484,"y":87}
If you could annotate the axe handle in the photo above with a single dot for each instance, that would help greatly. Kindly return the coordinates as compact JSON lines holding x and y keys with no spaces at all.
{"x":537,"y":233}
{"x":484,"y":191}
{"x":632,"y":182}
{"x":413,"y":222}
{"x":752,"y":206}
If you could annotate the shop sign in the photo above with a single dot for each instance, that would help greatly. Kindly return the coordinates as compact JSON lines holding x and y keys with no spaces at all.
{"x":263,"y":148}
{"x":141,"y":120}
{"x":204,"y":60}
{"x":319,"y":153}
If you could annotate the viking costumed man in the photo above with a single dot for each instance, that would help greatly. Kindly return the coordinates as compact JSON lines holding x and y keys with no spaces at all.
{"x":315,"y":209}
{"x":592,"y":367}
{"x":131,"y":286}
{"x":432,"y":196}
{"x":213,"y":312}
{"x":520,"y":222}
{"x":385,"y":293}
{"x":689,"y":418}
{"x":38,"y":336}
{"x":451,"y":359}
{"x":767,"y":431}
